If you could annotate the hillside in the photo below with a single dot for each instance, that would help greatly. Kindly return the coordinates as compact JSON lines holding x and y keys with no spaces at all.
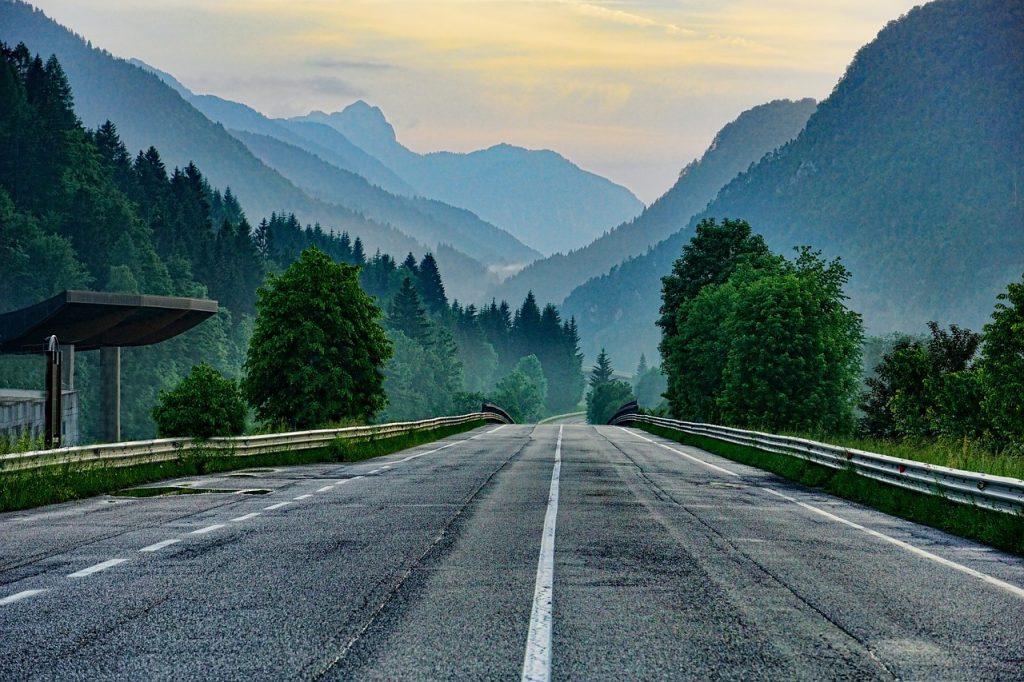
{"x":436,"y":223}
{"x":148,"y":112}
{"x":910,"y":171}
{"x":739,"y":144}
{"x":542,"y":198}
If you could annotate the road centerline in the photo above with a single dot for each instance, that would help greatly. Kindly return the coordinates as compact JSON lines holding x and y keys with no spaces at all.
{"x":537,"y":658}
{"x":208,"y":529}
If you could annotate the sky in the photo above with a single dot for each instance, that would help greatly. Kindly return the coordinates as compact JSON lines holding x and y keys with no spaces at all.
{"x":630,"y":89}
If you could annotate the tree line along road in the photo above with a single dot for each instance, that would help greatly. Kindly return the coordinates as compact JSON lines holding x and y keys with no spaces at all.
{"x":561,"y":552}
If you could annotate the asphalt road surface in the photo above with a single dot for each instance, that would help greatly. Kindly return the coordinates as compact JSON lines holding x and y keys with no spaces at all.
{"x":517,"y":552}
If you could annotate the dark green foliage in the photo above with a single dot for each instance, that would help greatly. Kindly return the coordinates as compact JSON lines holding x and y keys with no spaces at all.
{"x":754,"y":340}
{"x":406,"y":314}
{"x":203,"y":404}
{"x":911,"y":171}
{"x":604,"y":400}
{"x":317,"y":347}
{"x":649,"y":384}
{"x":521,"y":393}
{"x":1002,"y":363}
{"x":601,"y":373}
{"x":926,"y":389}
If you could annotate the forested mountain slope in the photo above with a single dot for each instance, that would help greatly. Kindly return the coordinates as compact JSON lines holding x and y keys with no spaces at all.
{"x":436,"y":223}
{"x":911,"y":171}
{"x":148,"y":112}
{"x":739,"y":144}
{"x":542,"y":198}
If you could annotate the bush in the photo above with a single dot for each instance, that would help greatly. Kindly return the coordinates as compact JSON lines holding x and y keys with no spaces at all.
{"x":203,"y":404}
{"x":604,"y":400}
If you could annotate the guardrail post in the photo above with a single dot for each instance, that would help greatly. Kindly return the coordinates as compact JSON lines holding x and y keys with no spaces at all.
{"x":54,"y":412}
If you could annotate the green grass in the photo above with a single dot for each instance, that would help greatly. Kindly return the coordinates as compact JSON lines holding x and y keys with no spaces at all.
{"x":24,"y":490}
{"x":998,"y":529}
{"x":956,"y":454}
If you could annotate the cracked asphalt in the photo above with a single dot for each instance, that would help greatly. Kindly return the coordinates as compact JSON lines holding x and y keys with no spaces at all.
{"x":668,"y":563}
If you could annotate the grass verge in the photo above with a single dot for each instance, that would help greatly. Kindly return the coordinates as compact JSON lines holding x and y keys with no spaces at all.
{"x":24,"y":490}
{"x":998,"y":529}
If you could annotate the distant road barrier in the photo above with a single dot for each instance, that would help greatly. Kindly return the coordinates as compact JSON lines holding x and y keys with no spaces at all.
{"x":999,"y":493}
{"x":169,"y":449}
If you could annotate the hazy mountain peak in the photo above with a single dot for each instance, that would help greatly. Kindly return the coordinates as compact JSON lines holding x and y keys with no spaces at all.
{"x":368,"y":118}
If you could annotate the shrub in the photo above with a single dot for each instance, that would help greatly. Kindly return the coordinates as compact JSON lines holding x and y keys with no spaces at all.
{"x":203,"y":404}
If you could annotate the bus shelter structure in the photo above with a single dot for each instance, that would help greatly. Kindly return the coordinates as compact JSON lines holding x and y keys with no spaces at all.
{"x":93,"y":320}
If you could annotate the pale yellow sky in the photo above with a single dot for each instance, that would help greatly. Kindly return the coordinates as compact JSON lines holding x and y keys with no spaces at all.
{"x":630,"y":89}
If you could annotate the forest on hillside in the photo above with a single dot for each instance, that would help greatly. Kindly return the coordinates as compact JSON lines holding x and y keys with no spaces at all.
{"x":79,"y":211}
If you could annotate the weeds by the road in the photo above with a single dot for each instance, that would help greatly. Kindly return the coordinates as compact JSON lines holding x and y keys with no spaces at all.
{"x":964,"y":454}
{"x":998,"y":529}
{"x":33,"y":488}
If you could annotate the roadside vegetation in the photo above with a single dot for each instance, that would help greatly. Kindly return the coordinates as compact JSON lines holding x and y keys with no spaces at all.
{"x":34,"y":488}
{"x":1001,"y":530}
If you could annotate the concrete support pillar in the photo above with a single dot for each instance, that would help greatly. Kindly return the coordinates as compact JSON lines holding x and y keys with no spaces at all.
{"x":110,"y":392}
{"x":67,"y":363}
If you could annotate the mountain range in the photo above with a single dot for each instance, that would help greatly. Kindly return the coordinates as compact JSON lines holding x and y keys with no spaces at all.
{"x":541,"y":197}
{"x":739,"y":144}
{"x":910,"y":171}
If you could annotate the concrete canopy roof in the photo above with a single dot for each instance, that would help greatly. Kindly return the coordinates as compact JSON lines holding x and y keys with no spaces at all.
{"x":93,"y":319}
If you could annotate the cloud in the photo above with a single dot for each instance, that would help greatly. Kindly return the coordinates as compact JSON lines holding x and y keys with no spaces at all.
{"x":625,"y":18}
{"x":342,"y":63}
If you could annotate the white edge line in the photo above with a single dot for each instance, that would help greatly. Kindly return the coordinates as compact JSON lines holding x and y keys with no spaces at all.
{"x":208,"y":529}
{"x":1012,"y":589}
{"x":690,"y":457}
{"x":19,"y":596}
{"x":276,"y":506}
{"x":246,"y":517}
{"x":537,"y":657}
{"x":159,"y":545}
{"x":96,"y":568}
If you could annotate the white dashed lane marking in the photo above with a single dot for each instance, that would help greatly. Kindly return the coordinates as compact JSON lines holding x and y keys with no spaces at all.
{"x":276,"y":506}
{"x":246,"y":517}
{"x":208,"y":529}
{"x":19,"y":596}
{"x":159,"y":545}
{"x":102,"y":566}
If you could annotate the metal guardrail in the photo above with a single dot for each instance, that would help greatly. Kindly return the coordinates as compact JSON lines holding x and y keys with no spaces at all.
{"x":169,"y":449}
{"x":999,"y":493}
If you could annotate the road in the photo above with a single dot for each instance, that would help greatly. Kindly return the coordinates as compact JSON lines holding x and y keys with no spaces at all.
{"x":516,"y":552}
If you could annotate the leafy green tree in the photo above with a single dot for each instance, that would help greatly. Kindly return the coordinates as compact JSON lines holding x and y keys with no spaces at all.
{"x":1002,"y":363}
{"x":521,"y":393}
{"x":604,"y":400}
{"x":317,"y":348}
{"x":203,"y":404}
{"x":794,"y":355}
{"x":649,"y":388}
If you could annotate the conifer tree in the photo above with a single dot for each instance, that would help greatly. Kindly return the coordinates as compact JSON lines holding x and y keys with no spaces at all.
{"x":602,"y":372}
{"x":406,"y":314}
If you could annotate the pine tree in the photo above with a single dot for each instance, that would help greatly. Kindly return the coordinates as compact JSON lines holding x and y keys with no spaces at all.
{"x":430,"y":285}
{"x":406,"y":314}
{"x":602,"y":372}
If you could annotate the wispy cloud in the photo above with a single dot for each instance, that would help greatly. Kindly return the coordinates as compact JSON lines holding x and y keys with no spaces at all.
{"x":343,"y":63}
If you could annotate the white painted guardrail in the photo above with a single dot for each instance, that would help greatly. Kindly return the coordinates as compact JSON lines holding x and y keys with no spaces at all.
{"x":169,"y":449}
{"x":999,"y":493}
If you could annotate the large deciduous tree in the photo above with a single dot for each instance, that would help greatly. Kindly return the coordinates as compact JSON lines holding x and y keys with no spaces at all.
{"x":317,"y":348}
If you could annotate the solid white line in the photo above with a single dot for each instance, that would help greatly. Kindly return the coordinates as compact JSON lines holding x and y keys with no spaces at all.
{"x":302,"y":497}
{"x":19,"y":596}
{"x":208,"y":529}
{"x":324,"y":489}
{"x":159,"y":545}
{"x":246,"y":517}
{"x":276,"y":506}
{"x":1012,"y":589}
{"x":690,"y":457}
{"x":537,"y":659}
{"x":97,"y":568}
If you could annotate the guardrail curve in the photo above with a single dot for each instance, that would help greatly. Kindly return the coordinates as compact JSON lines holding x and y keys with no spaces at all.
{"x":999,"y":493}
{"x":495,"y":414}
